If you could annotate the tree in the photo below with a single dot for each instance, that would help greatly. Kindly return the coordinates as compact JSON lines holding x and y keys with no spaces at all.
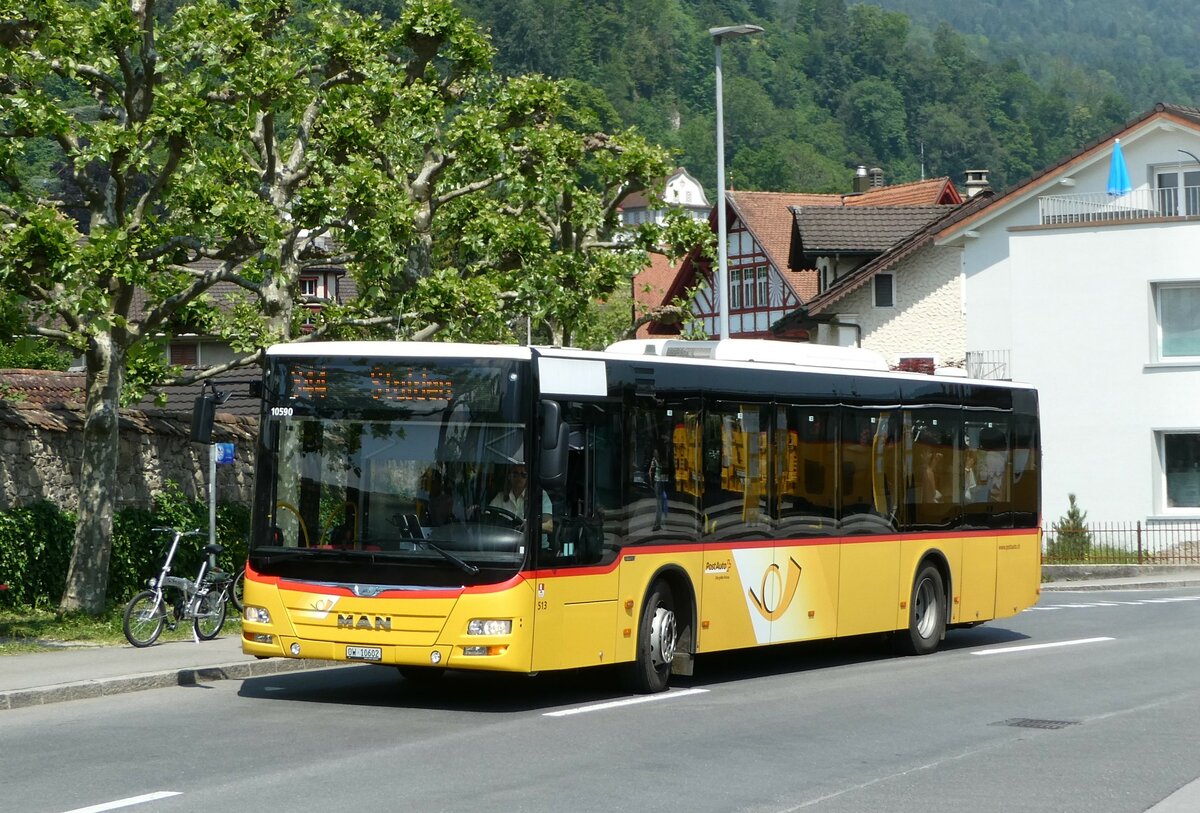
{"x":242,"y":145}
{"x":1072,"y":541}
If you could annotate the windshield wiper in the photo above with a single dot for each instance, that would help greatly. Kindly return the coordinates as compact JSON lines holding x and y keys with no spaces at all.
{"x":466,"y":567}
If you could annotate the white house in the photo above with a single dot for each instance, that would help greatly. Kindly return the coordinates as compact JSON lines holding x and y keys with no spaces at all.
{"x":1095,"y":299}
{"x":680,"y":189}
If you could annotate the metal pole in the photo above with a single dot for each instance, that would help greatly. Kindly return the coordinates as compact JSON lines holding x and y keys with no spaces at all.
{"x":722,"y":292}
{"x":212,"y":493}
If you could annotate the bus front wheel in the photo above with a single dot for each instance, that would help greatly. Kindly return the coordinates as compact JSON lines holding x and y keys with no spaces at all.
{"x":927,"y":612}
{"x":656,"y":641}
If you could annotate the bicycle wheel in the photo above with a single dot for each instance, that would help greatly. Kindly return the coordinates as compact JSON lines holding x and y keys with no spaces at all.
{"x":210,"y":616}
{"x":145,"y":616}
{"x":235,"y":591}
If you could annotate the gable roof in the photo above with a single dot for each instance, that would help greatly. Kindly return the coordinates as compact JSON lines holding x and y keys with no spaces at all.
{"x":769,"y":218}
{"x":945,"y":217}
{"x":1098,"y":148}
{"x":856,"y":229}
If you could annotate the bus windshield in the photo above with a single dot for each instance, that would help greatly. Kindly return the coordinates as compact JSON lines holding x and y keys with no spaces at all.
{"x":392,"y":472}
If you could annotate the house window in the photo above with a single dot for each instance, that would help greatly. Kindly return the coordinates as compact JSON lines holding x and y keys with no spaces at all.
{"x":735,"y":288}
{"x":1177,"y":307}
{"x":748,"y":287}
{"x":1171,"y":199}
{"x":185,"y":353}
{"x":885,"y":291}
{"x":1180,"y":455}
{"x":308,"y":286}
{"x":762,"y":288}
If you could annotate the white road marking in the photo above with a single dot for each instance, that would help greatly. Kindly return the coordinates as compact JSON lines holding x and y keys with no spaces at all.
{"x":130,"y":802}
{"x":628,"y":701}
{"x":1140,"y":603}
{"x":1028,"y":647}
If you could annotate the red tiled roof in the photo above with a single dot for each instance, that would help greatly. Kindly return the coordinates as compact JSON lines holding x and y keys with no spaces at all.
{"x":650,"y":287}
{"x":42,"y":387}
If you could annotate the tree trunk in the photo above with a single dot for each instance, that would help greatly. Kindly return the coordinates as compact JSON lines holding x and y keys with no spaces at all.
{"x":87,"y":577}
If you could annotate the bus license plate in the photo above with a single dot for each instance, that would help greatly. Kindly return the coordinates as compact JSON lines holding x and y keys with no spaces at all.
{"x":364,"y":653}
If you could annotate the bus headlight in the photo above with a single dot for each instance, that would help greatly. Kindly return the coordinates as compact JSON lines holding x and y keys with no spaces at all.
{"x":490,"y":626}
{"x":257,"y":615}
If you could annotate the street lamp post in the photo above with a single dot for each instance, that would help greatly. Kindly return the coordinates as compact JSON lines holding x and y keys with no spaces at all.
{"x":719,"y":35}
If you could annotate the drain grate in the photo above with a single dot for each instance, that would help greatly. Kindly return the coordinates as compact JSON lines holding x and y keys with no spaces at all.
{"x":1030,"y":722}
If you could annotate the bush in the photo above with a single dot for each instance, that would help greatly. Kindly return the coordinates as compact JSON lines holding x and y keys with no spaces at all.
{"x":1072,"y":542}
{"x":35,"y":551}
{"x":35,"y":547}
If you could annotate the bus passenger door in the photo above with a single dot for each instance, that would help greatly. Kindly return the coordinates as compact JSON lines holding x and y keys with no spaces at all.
{"x":575,"y":578}
{"x":870,"y":577}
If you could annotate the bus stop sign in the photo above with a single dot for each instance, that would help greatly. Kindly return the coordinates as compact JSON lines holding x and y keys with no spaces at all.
{"x":224,"y":452}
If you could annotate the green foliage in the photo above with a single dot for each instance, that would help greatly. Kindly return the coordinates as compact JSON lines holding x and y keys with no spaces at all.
{"x":1071,"y":541}
{"x":830,"y":85}
{"x":35,"y":547}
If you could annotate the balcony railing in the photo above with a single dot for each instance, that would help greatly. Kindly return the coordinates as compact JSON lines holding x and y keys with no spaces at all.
{"x":1100,"y":207}
{"x":989,"y":364}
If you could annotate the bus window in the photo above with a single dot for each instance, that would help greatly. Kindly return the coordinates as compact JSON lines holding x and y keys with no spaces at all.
{"x":987,"y":470}
{"x":805,"y":464}
{"x":735,"y":472}
{"x":586,"y":512}
{"x":870,"y":471}
{"x":1025,"y":472}
{"x":933,"y":468}
{"x":665,"y":471}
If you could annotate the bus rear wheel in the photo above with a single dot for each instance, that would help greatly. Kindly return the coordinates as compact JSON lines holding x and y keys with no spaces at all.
{"x":657,"y":638}
{"x":927,"y":612}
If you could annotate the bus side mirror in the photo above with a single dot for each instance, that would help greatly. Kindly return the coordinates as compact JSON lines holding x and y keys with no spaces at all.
{"x":203,"y":410}
{"x":552,"y":462}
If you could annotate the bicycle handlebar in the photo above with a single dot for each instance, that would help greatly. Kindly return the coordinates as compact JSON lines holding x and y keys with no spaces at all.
{"x":196,"y":532}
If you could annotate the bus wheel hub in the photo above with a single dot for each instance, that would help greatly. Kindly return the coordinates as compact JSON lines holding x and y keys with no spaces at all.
{"x":662,"y":637}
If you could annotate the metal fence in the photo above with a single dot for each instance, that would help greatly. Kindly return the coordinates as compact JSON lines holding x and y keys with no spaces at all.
{"x":1157,"y":543}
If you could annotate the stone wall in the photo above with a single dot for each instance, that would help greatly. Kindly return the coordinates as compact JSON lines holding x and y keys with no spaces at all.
{"x":41,"y":449}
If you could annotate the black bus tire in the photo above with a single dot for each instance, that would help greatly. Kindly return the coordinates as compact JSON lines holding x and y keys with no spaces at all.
{"x":927,"y":612}
{"x":657,"y":637}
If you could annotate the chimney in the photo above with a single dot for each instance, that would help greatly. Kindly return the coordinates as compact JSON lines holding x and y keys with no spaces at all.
{"x":861,"y":182}
{"x":977,"y":181}
{"x":876,"y":175}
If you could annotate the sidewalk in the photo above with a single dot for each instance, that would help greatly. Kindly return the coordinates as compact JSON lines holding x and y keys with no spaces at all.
{"x":77,"y":673}
{"x":82,"y":672}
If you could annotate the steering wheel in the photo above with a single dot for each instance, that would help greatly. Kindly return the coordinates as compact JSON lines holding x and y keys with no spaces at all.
{"x":495,"y":515}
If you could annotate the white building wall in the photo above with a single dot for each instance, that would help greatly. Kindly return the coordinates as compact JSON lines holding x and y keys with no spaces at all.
{"x":1073,"y":306}
{"x":927,"y":319}
{"x":1089,"y":345}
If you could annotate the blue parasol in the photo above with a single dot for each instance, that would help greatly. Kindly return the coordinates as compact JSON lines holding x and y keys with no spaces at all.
{"x":1118,"y":172}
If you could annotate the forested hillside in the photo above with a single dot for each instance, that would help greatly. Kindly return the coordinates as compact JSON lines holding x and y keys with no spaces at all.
{"x":827,"y":86}
{"x":1143,"y":49}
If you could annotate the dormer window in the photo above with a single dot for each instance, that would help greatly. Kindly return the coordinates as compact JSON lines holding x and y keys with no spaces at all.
{"x":308,"y":286}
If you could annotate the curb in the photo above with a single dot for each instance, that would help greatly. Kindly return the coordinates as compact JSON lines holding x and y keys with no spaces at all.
{"x":1065,"y":586}
{"x":189,"y":676}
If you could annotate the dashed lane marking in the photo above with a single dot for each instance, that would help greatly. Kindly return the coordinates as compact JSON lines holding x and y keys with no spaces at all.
{"x":128,"y":802}
{"x":1004,"y":650}
{"x":628,"y":701}
{"x":1085,"y":605}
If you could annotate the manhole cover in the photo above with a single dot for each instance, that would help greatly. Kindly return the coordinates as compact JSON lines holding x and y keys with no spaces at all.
{"x":1030,"y":722}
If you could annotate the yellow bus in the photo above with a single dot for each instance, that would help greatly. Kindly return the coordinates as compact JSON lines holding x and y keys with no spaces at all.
{"x":448,"y":506}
